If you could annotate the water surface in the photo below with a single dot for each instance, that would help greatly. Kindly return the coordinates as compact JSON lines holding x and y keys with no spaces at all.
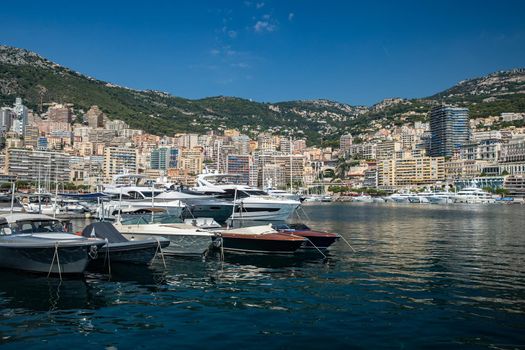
{"x":422,"y":276}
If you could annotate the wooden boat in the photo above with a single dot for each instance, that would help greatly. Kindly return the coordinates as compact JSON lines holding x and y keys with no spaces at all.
{"x":260,"y":240}
{"x":314,"y":239}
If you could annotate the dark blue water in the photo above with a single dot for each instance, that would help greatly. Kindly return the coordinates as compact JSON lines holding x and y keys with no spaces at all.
{"x":422,"y":276}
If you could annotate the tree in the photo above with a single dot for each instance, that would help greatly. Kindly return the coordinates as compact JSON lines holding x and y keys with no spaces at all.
{"x":342,"y":168}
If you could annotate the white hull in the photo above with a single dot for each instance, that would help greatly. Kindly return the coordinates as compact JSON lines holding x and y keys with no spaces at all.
{"x":183,"y":241}
{"x":266,"y":210}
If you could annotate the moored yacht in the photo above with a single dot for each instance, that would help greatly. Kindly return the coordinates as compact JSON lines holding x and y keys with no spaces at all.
{"x":473,"y":195}
{"x":184,"y":239}
{"x":39,"y":243}
{"x":250,"y":203}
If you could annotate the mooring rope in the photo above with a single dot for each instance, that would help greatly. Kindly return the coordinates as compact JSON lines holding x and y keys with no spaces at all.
{"x":107,"y":257}
{"x":344,"y":240}
{"x":159,"y":251}
{"x":312,"y":243}
{"x":55,"y":256}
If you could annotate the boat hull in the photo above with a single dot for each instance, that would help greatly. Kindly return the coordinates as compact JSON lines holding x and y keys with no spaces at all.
{"x":264,"y":211}
{"x":261,"y":243}
{"x":73,"y":259}
{"x":133,"y":252}
{"x":180,"y":244}
{"x":218,"y":212}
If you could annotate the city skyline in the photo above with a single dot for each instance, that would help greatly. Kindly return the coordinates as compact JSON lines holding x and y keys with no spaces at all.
{"x":267,"y":51}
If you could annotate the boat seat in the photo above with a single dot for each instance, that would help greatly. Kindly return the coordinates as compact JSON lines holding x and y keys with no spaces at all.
{"x":104,"y":230}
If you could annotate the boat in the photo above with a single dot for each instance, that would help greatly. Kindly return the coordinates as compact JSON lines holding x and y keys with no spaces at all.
{"x":10,"y":204}
{"x":441,"y":198}
{"x":420,"y":197}
{"x":185,"y":239}
{"x":119,"y":249}
{"x":316,"y":240}
{"x":39,"y":203}
{"x":363,"y":198}
{"x":199,"y":205}
{"x":109,"y":210}
{"x":473,"y":195}
{"x":131,"y":186}
{"x":260,"y":240}
{"x":250,"y":203}
{"x":39,"y":243}
{"x":400,"y":197}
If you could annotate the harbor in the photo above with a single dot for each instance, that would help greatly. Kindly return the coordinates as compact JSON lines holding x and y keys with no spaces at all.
{"x":447,"y":273}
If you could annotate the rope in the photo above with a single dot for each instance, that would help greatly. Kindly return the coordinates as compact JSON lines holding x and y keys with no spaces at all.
{"x":222,"y":248}
{"x":55,"y":255}
{"x":159,"y":251}
{"x":107,"y":257}
{"x":312,"y":243}
{"x":344,"y":240}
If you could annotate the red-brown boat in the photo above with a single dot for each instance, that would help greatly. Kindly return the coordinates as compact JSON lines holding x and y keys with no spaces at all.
{"x":260,"y":240}
{"x":314,"y":239}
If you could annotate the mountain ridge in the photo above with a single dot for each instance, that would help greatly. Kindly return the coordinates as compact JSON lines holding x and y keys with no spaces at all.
{"x":36,"y":79}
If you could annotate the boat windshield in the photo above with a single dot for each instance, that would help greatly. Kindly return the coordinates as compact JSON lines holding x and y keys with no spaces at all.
{"x":37,"y":226}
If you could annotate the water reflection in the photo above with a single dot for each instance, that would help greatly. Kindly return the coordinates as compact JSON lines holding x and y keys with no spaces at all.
{"x":29,"y":292}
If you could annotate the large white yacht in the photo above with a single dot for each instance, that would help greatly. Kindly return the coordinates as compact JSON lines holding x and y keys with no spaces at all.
{"x":130,"y":191}
{"x":473,"y":195}
{"x":250,"y":203}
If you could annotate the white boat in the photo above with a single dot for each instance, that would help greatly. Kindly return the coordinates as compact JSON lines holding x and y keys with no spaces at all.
{"x":184,"y":239}
{"x":250,"y":203}
{"x":473,"y":195}
{"x":363,"y":198}
{"x":110,"y":210}
{"x":441,"y":198}
{"x":39,"y":203}
{"x":400,"y":197}
{"x":131,"y":186}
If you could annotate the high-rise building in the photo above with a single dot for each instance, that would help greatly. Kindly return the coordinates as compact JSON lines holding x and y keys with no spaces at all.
{"x":60,"y":113}
{"x":164,"y":158}
{"x":6,"y":119}
{"x":345,"y":141}
{"x":119,"y":160}
{"x":239,"y":165}
{"x":450,"y":130}
{"x":20,"y":118}
{"x":30,"y":165}
{"x":95,"y":117}
{"x":31,"y":136}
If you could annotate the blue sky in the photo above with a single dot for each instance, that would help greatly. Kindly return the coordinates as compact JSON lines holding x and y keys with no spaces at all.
{"x":355,"y":52}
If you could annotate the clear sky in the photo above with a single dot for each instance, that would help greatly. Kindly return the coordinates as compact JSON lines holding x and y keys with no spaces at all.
{"x":357,"y":52}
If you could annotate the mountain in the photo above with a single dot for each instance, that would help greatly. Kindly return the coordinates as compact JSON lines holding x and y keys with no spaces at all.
{"x":39,"y":81}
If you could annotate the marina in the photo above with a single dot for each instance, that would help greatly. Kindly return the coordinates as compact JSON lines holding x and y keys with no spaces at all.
{"x":456,"y":271}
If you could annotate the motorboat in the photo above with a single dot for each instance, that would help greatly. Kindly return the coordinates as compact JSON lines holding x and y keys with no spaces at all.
{"x":250,"y":203}
{"x":420,"y":197}
{"x":119,"y":249}
{"x":70,"y":205}
{"x":199,"y":205}
{"x":316,"y":240}
{"x":39,"y":243}
{"x":441,"y":198}
{"x":274,"y":192}
{"x":400,"y":197}
{"x":131,"y":186}
{"x":473,"y":195}
{"x":10,"y":204}
{"x":39,"y":203}
{"x":185,"y":239}
{"x":109,"y":210}
{"x":260,"y":240}
{"x":363,"y":198}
